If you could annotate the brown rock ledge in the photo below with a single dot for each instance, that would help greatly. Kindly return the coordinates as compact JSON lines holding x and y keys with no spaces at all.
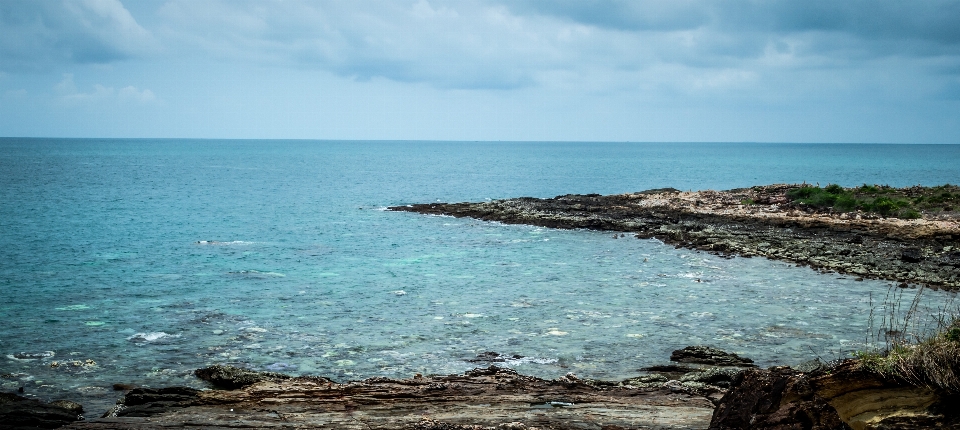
{"x":919,"y":251}
{"x":490,"y":398}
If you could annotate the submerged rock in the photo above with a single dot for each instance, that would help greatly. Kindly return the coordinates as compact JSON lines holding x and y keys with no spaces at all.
{"x":709,"y":355}
{"x":71,"y":406}
{"x":493,"y":357}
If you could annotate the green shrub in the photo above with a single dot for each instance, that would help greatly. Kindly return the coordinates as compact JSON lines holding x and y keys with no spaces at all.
{"x":803,"y":192}
{"x":953,"y":334}
{"x":909,"y":214}
{"x":845,"y":203}
{"x":907,"y":203}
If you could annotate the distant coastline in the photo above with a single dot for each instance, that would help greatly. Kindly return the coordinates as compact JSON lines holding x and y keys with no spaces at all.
{"x":907,"y":235}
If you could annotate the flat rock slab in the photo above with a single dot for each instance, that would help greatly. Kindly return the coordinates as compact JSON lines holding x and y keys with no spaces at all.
{"x":492,"y":398}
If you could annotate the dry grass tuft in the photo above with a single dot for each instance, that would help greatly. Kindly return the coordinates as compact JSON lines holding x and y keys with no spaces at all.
{"x":933,"y":363}
{"x":931,"y":360}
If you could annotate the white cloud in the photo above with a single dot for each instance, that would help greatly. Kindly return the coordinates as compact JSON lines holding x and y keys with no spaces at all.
{"x":69,"y":95}
{"x":132,"y":94}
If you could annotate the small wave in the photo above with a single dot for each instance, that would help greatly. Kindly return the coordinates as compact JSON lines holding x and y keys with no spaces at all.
{"x":73,"y":308}
{"x":217,"y":242}
{"x":150,"y":337}
{"x":258,"y":274}
{"x":528,"y":360}
{"x":31,"y":355}
{"x":281,"y":367}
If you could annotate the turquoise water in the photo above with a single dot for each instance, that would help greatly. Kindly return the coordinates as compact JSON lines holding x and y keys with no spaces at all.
{"x":154,"y":257}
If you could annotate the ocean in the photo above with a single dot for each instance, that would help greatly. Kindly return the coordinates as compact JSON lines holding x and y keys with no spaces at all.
{"x":137,"y":261}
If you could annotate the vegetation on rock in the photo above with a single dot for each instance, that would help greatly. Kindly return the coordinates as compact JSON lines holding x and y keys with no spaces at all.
{"x":907,"y":203}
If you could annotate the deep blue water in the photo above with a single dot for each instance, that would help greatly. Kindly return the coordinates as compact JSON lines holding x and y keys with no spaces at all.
{"x":304,"y":272}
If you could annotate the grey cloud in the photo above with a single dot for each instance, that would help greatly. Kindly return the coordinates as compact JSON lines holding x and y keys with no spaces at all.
{"x":657,"y":15}
{"x":491,"y":44}
{"x":462,"y":45}
{"x":35,"y":35}
{"x":875,"y":27}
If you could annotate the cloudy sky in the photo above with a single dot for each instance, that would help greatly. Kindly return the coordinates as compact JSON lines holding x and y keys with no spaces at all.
{"x":587,"y":70}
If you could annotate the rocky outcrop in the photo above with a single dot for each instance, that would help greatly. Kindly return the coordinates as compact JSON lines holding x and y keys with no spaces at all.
{"x":230,"y":377}
{"x":758,"y":221}
{"x":18,"y":412}
{"x":837,"y":397}
{"x":709,"y":355}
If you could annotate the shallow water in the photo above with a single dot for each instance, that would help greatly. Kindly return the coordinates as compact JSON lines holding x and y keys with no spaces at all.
{"x":155,"y":257}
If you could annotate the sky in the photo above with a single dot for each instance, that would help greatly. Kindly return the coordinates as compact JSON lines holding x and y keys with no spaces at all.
{"x":587,"y":70}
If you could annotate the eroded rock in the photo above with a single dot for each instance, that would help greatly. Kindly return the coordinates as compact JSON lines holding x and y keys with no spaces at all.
{"x":838,"y":397}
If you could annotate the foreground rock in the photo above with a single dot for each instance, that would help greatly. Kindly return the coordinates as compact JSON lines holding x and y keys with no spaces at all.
{"x":840,"y":397}
{"x":923,"y":251}
{"x":483,"y":398}
{"x":18,"y":412}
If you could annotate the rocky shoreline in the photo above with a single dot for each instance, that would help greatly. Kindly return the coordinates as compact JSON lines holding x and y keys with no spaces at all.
{"x":679,"y":396}
{"x":759,"y":221}
{"x":704,"y":388}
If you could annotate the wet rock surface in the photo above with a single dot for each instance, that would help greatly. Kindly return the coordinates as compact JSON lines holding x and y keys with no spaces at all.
{"x":145,"y":402}
{"x":758,"y":221}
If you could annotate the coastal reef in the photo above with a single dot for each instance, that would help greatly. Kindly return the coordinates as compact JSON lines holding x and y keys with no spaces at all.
{"x":908,"y":235}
